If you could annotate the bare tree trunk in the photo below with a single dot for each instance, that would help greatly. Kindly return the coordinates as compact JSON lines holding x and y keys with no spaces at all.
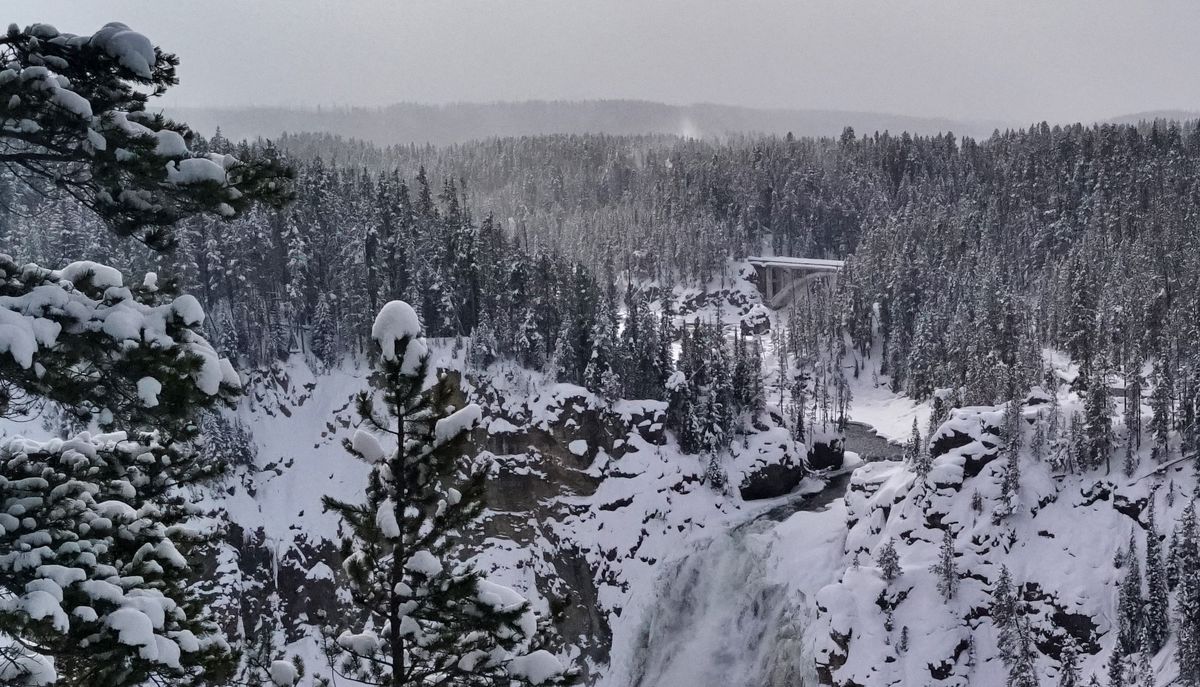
{"x":399,"y":555}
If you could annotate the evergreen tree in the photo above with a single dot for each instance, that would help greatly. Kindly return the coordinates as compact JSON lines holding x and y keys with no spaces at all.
{"x":1156,"y":619}
{"x":1068,"y":670}
{"x":1161,"y":403}
{"x":1098,"y":422}
{"x":1144,"y":675}
{"x":1005,"y":616}
{"x":99,"y":579}
{"x":1010,"y":484}
{"x":1173,"y":554}
{"x":324,"y":334}
{"x":888,"y":561}
{"x":945,"y":568}
{"x":799,"y":403}
{"x":89,"y":134}
{"x":1022,"y":671}
{"x":1118,"y":668}
{"x":937,"y":415}
{"x":912,"y":450}
{"x":924,"y":462}
{"x":109,"y":512}
{"x":1012,"y":425}
{"x":1129,"y":464}
{"x":1187,"y":599}
{"x":1038,"y":444}
{"x":429,"y":620}
{"x":1130,"y":603}
{"x":599,"y":374}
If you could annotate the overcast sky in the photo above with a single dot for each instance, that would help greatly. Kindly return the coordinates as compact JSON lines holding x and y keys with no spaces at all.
{"x":969,"y":59}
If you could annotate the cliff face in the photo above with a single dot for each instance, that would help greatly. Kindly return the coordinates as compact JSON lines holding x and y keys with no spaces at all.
{"x":653,"y":575}
{"x":1063,"y":540}
{"x":587,"y":500}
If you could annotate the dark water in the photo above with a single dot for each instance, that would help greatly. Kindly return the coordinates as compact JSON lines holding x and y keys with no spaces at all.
{"x":834,"y":489}
{"x":863,"y":440}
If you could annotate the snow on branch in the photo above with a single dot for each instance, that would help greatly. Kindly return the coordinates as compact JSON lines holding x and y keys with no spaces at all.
{"x":73,"y":120}
{"x":56,"y":323}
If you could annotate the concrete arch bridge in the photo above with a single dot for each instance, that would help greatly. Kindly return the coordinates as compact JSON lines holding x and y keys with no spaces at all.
{"x":782,"y":279}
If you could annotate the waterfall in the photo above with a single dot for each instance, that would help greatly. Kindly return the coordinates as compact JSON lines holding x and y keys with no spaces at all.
{"x":719,"y":620}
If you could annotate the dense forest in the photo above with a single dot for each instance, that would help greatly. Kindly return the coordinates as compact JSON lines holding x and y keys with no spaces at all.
{"x":967,"y":256}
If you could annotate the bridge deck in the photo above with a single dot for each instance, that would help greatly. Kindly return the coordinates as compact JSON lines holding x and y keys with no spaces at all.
{"x":808,"y":264}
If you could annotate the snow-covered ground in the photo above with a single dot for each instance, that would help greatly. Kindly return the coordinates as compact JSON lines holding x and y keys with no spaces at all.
{"x":668,"y":582}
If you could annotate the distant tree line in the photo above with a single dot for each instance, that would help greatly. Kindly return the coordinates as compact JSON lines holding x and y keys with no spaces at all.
{"x":966,"y":257}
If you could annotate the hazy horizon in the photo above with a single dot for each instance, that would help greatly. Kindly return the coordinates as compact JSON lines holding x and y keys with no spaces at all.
{"x":986,"y":61}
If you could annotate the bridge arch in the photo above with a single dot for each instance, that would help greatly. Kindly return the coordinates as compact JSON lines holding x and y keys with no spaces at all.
{"x":781,"y":279}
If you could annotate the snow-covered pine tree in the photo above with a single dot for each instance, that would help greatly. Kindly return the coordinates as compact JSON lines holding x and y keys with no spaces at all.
{"x":599,"y":375}
{"x":1012,"y":430}
{"x":1161,"y":406}
{"x":1187,"y":419}
{"x":1156,"y":618}
{"x":937,"y":413}
{"x":1130,"y":603}
{"x":1129,"y":463}
{"x":945,"y":567}
{"x":89,"y":135}
{"x":1038,"y":443}
{"x":148,"y":366}
{"x":799,"y":404}
{"x":1133,"y":410}
{"x":87,"y":500}
{"x":1118,"y":668}
{"x":102,"y":515}
{"x":924,"y":461}
{"x":1144,"y":671}
{"x":324,"y":332}
{"x":1022,"y":670}
{"x":1068,"y":664}
{"x":1004,"y":612}
{"x":664,"y":356}
{"x":262,"y":667}
{"x":428,"y":619}
{"x":1010,"y":485}
{"x":912,"y":450}
{"x":1173,"y":551}
{"x":1187,"y":599}
{"x":1098,"y":420}
{"x":888,"y":561}
{"x":109,"y":599}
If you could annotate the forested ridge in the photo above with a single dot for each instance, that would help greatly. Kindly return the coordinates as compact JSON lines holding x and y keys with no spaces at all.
{"x":977,"y":253}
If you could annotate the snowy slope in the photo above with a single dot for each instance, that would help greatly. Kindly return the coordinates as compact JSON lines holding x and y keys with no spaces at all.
{"x":1059,"y":545}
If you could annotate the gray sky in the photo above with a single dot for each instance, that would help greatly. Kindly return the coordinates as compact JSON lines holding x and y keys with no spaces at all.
{"x":1019,"y":60}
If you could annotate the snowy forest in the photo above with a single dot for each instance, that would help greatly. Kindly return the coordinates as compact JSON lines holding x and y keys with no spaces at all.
{"x":519,"y":411}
